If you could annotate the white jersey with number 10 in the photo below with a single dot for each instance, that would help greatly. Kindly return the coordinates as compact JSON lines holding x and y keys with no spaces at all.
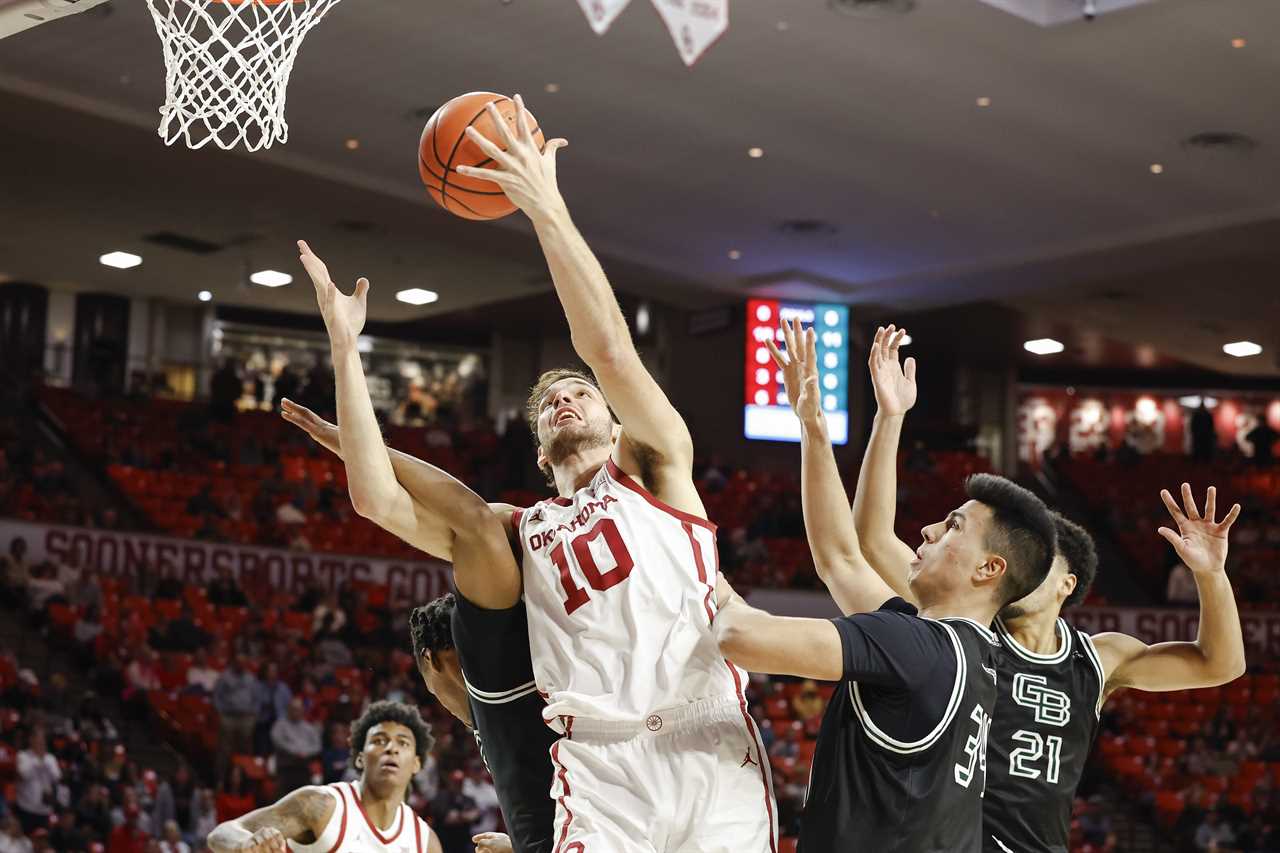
{"x":620,"y":591}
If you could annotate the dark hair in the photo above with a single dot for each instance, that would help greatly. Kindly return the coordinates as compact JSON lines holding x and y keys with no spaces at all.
{"x":1022,"y":531}
{"x":387,"y":711}
{"x":1077,"y":548}
{"x":431,"y":626}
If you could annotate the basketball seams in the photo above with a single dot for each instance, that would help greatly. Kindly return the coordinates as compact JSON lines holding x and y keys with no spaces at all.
{"x":448,"y":166}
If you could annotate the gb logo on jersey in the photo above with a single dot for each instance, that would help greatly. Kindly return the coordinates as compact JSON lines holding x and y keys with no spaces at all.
{"x":1051,"y":707}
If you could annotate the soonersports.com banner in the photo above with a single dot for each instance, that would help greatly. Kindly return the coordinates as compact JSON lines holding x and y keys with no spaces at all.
{"x":119,"y":553}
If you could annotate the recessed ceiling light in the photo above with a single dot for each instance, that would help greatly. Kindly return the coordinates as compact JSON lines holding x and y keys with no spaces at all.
{"x":120,"y":260}
{"x":1238,"y":43}
{"x":734,"y":254}
{"x":1157,"y":168}
{"x":984,"y":101}
{"x":1043,"y":346}
{"x":204,"y":296}
{"x":417,"y":296}
{"x":755,"y":153}
{"x":352,"y":144}
{"x":552,"y":88}
{"x":1242,"y":349}
{"x":783,"y":26}
{"x":271,"y":278}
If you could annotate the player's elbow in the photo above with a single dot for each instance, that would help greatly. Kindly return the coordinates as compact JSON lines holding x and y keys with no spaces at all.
{"x":732,"y":638}
{"x":367,"y":502}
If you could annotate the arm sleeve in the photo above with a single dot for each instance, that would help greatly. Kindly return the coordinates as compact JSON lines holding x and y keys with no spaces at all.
{"x":892,"y":647}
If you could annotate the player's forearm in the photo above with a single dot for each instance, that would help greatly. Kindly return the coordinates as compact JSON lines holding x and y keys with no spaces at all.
{"x":761,"y":642}
{"x":875,"y":502}
{"x":1220,"y":639}
{"x":226,"y":836}
{"x":832,"y":537}
{"x":437,"y":490}
{"x":371,"y":480}
{"x":596,"y":324}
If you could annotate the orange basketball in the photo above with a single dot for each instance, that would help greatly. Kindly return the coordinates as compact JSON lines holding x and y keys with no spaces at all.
{"x":445,"y":146}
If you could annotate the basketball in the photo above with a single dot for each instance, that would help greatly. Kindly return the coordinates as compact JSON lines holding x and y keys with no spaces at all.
{"x":444,"y":146}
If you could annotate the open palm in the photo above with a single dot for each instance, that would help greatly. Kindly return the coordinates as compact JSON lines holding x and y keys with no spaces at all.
{"x":894,"y":383}
{"x":1201,"y":542}
{"x":344,"y":315}
{"x":799,"y":366}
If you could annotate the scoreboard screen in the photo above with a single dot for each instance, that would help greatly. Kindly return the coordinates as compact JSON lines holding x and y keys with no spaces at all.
{"x":767,"y":414}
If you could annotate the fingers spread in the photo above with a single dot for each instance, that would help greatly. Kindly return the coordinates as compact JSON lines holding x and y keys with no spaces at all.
{"x":1172,"y":506}
{"x":778,"y":357}
{"x":1189,"y":502}
{"x":909,"y":369}
{"x":1226,"y":523}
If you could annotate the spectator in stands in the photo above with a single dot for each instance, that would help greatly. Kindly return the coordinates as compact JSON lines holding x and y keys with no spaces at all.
{"x":224,"y":390}
{"x":46,"y":581}
{"x":16,"y":571}
{"x":291,"y":512}
{"x":273,"y":703}
{"x":1204,"y":437}
{"x":140,"y":676}
{"x":12,"y":839}
{"x":235,"y":798}
{"x":453,"y":814}
{"x":173,"y":798}
{"x":235,"y":696}
{"x":202,"y":503}
{"x":1214,"y":834}
{"x":38,"y":777}
{"x":1263,"y":438}
{"x":808,"y":703}
{"x":224,"y":591}
{"x":328,"y":619}
{"x":87,"y":592}
{"x":172,"y":842}
{"x":336,"y":757}
{"x":918,"y":458}
{"x":68,"y":834}
{"x":479,"y":787}
{"x":202,"y":677}
{"x":180,"y":634}
{"x":204,"y":816}
{"x":94,"y":810}
{"x":128,"y":837}
{"x":1181,"y":587}
{"x":1095,"y":823}
{"x":297,"y":744}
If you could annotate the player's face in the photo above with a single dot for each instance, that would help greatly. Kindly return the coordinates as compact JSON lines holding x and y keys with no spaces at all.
{"x":390,"y":756}
{"x":572,"y":417}
{"x":443,"y":677}
{"x":953,"y":551}
{"x":1057,"y":585}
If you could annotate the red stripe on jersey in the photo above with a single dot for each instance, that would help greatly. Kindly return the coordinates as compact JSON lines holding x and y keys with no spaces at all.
{"x":515,"y":522}
{"x":624,"y":479}
{"x":376,"y":833}
{"x":755,"y":737}
{"x":564,"y":780}
{"x":342,"y":828}
{"x":702,"y":569}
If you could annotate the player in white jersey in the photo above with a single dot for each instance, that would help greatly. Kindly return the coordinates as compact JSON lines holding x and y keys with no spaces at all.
{"x":659,"y":752}
{"x":389,"y":743}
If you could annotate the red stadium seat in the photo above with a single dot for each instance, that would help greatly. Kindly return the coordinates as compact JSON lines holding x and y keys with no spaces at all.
{"x":788,"y":844}
{"x":1171,"y":747}
{"x":1237,"y":694}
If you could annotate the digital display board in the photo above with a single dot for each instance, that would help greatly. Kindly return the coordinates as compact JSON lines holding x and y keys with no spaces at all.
{"x":767,"y":414}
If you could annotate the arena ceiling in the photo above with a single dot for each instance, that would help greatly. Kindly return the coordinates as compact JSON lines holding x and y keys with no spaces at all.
{"x":883,"y":180}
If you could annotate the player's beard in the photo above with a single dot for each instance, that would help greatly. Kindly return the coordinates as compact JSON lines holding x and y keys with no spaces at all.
{"x":577,"y":438}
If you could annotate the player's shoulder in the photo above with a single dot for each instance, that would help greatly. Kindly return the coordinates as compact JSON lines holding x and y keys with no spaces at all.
{"x":312,"y":805}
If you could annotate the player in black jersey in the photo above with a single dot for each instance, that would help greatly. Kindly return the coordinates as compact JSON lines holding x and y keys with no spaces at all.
{"x":438,"y":514}
{"x":1053,"y":679}
{"x":900,"y":760}
{"x":477,"y":663}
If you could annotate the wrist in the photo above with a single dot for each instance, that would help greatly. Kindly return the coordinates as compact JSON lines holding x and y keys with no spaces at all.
{"x":890,"y":417}
{"x":343,"y":349}
{"x":814,"y":426}
{"x":549,"y":214}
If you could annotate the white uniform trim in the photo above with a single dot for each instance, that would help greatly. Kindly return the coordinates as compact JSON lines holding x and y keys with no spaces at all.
{"x":982,"y":630}
{"x":501,"y":697}
{"x":883,"y":740}
{"x":1064,"y":644}
{"x":1006,"y":848}
{"x":1092,"y":654}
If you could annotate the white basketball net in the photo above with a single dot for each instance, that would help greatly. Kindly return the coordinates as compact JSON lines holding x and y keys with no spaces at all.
{"x":227,"y":68}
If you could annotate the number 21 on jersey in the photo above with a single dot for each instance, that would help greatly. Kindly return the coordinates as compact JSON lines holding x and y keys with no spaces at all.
{"x":603,"y":538}
{"x":975,"y":748}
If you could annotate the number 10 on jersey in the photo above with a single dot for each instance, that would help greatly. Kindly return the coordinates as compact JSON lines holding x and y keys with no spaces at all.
{"x":606,"y":531}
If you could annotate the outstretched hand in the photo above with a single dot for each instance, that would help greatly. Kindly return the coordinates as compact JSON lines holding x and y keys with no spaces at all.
{"x":894,"y":383}
{"x":799,"y":366}
{"x":343,"y":315}
{"x":323,"y":432}
{"x":1201,"y":542}
{"x":525,"y":172}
